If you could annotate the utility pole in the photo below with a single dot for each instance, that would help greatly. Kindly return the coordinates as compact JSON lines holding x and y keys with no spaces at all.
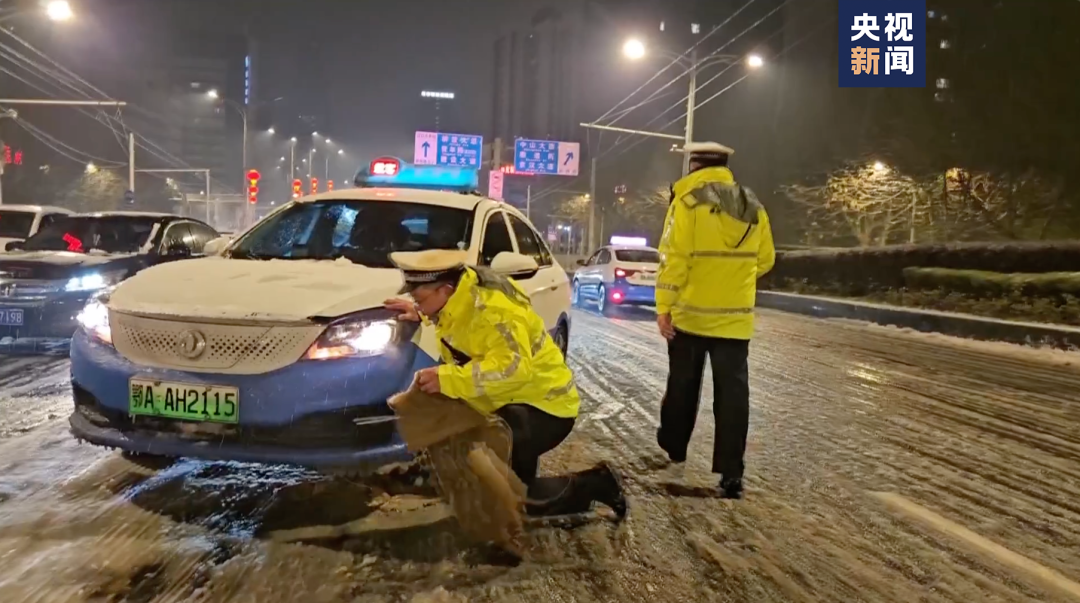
{"x":691,"y":102}
{"x":204,"y":172}
{"x":11,"y":114}
{"x":528,"y":202}
{"x":592,"y":205}
{"x":131,"y":162}
{"x":292,"y":160}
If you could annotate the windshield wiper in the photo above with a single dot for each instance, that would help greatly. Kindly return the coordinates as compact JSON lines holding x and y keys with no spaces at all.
{"x":247,"y":255}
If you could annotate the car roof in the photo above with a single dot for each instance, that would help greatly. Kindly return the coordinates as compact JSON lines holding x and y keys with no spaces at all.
{"x":37,"y":208}
{"x":130,"y":214}
{"x":631,"y":248}
{"x":466,"y":201}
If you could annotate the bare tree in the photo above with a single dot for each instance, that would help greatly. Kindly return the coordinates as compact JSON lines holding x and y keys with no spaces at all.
{"x":871,"y":203}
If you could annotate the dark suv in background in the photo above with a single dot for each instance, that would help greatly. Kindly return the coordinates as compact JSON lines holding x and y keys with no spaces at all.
{"x":46,"y":280}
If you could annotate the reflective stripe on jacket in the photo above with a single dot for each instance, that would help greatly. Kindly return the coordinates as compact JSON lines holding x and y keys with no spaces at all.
{"x":716,"y":244}
{"x":512,"y":358}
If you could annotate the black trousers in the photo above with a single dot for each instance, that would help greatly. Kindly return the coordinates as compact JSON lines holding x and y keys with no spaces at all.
{"x":731,"y":398}
{"x":536,"y":432}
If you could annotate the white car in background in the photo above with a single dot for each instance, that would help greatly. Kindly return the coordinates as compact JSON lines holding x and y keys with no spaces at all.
{"x":20,"y":222}
{"x":617,"y":275}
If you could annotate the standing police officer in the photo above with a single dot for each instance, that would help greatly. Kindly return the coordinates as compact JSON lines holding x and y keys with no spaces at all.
{"x":716,"y":244}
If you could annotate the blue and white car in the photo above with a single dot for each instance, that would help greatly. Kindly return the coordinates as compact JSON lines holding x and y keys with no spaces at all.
{"x":277,"y":349}
{"x":617,"y":275}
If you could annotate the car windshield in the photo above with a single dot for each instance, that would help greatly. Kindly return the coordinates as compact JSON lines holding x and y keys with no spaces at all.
{"x":640,"y":256}
{"x":15,"y":224}
{"x":364,"y":232}
{"x":87,"y":234}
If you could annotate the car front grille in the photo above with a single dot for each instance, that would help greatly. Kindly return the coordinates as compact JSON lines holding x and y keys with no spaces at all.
{"x":231,"y":349}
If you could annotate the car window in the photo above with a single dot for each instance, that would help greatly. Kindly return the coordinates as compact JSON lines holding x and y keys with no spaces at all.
{"x":496,"y":239}
{"x":177,"y":236}
{"x":364,"y":232}
{"x":16,"y":224}
{"x":592,"y":259}
{"x":48,"y":220}
{"x":529,"y":242}
{"x":94,"y":234}
{"x":200,"y":236}
{"x":604,"y":258}
{"x":642,"y":256}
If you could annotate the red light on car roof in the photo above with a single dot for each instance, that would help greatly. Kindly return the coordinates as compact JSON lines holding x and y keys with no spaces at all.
{"x":385,"y":167}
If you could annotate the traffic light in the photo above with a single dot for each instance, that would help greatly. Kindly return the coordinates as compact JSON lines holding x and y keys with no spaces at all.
{"x":314,"y":186}
{"x":253,"y":186}
{"x":329,"y":185}
{"x":297,"y":188}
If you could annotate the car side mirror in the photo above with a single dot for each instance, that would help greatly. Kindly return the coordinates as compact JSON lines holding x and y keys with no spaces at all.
{"x":509,"y":263}
{"x":581,"y":262}
{"x":216,"y":246}
{"x":15,"y":246}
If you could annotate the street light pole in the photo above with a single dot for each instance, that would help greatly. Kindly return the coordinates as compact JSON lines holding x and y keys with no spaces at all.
{"x":292,"y":159}
{"x":691,"y":101}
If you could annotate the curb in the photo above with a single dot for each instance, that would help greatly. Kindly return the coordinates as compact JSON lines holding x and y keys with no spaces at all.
{"x":927,"y":321}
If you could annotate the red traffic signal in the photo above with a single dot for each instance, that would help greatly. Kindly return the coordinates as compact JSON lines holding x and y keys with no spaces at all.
{"x":297,"y":188}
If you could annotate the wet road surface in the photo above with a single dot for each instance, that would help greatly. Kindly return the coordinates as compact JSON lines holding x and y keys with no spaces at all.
{"x":883,"y":466}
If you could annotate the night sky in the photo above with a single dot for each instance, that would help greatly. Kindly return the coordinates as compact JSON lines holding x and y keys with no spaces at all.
{"x":366,"y":60}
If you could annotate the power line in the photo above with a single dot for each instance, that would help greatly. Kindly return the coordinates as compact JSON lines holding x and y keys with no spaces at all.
{"x":673,"y":63}
{"x":546,"y":192}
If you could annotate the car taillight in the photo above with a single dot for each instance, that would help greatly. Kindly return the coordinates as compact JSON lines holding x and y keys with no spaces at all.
{"x":623,"y":273}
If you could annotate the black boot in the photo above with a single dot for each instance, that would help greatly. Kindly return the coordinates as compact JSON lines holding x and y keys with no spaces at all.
{"x":603,"y":485}
{"x":731,"y":488}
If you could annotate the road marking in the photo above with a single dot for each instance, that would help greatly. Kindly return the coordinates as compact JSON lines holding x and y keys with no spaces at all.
{"x":1040,"y":573}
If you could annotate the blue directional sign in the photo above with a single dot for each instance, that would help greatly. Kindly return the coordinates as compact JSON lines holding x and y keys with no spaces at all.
{"x":547,"y":157}
{"x":454,"y":150}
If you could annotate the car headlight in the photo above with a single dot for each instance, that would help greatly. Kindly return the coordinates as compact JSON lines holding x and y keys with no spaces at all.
{"x":354,"y":338}
{"x":94,"y":317}
{"x":93,"y":281}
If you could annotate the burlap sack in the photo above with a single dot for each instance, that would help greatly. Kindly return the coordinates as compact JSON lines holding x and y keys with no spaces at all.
{"x":468,"y":455}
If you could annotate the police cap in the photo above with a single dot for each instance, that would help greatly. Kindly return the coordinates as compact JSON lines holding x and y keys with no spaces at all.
{"x":708,"y":150}
{"x":431,"y":266}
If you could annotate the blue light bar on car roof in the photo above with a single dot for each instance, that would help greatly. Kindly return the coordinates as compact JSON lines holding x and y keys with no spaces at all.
{"x":393,"y":172}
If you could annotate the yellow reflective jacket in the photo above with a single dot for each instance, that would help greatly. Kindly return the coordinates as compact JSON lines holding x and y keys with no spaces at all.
{"x":511,"y":356}
{"x":716,"y":243}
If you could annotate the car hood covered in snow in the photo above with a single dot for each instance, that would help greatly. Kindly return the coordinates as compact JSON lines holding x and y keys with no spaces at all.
{"x":276,"y":290}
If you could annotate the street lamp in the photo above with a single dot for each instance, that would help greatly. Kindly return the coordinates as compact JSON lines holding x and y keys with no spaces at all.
{"x":634,"y":49}
{"x":880,"y":168}
{"x":271,"y":130}
{"x":59,"y":10}
{"x":213,"y":93}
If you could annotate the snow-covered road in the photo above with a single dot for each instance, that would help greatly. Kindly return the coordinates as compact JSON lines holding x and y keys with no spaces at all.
{"x":883,"y":466}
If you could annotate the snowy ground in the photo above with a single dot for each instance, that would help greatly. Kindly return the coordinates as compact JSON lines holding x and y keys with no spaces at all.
{"x":986,"y":437}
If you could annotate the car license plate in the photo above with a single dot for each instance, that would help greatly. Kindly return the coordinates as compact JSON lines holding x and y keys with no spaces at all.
{"x":647,"y":277}
{"x":191,"y":402}
{"x":11,"y":317}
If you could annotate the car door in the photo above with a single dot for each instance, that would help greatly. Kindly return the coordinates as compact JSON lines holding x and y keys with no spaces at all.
{"x":600,"y":272}
{"x":549,"y":286}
